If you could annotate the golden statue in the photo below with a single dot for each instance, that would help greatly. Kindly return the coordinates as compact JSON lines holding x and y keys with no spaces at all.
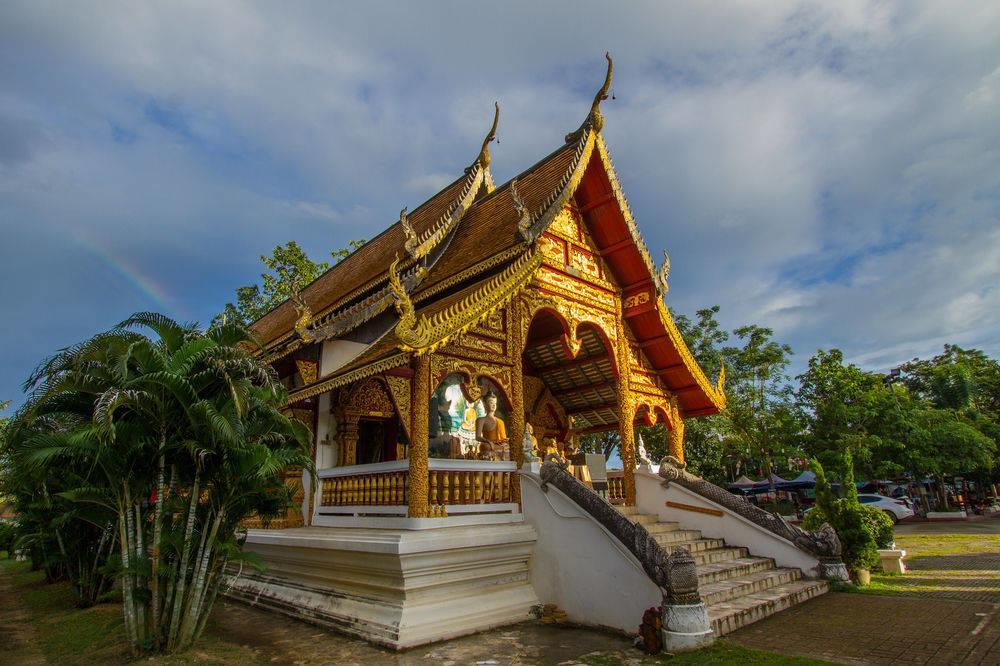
{"x":491,"y":432}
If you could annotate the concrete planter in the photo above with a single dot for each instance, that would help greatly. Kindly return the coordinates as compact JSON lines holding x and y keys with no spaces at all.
{"x":892,"y":560}
{"x":946,"y":515}
{"x":863,"y":577}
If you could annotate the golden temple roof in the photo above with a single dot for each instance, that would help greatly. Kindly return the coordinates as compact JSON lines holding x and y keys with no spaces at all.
{"x":476,"y":251}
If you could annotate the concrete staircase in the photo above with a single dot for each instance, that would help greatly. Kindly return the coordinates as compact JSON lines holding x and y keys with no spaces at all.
{"x":738,"y":588}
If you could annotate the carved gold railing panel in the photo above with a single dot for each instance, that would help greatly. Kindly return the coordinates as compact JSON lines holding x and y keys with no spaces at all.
{"x":455,"y":487}
{"x":378,"y":489}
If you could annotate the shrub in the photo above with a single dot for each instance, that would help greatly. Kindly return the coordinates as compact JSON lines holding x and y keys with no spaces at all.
{"x":847,"y":517}
{"x":878,"y":525}
{"x":7,"y":538}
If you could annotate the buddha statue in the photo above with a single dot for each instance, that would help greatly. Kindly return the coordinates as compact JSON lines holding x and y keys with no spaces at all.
{"x":491,"y":433}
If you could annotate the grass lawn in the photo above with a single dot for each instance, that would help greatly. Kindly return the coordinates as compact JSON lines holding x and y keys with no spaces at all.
{"x":67,"y":635}
{"x":942,"y":565}
{"x":934,"y":545}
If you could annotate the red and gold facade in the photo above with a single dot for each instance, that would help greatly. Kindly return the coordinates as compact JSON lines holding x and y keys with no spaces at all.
{"x":540,"y":291}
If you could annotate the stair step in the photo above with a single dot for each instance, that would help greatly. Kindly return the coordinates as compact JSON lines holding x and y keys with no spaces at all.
{"x":644,"y":518}
{"x":744,"y":566}
{"x":694,"y":546}
{"x":677,"y":536}
{"x":725,"y":554}
{"x":627,"y":510}
{"x":660,"y":528}
{"x":728,"y":616}
{"x":733,"y":588}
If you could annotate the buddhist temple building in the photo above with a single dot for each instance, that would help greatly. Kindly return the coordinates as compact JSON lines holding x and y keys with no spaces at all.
{"x":488,"y":326}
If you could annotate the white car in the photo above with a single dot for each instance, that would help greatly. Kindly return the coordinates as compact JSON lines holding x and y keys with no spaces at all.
{"x":896,"y":509}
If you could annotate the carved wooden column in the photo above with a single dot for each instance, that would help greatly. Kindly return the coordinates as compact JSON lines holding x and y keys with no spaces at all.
{"x":676,"y":433}
{"x":348,"y":453}
{"x":420,"y":396}
{"x":626,"y":415}
{"x":516,"y":347}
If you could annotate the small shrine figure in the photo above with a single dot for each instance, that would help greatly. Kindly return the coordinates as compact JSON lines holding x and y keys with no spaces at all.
{"x":642,"y":455}
{"x":529,"y":444}
{"x":491,"y":433}
{"x":549,"y":445}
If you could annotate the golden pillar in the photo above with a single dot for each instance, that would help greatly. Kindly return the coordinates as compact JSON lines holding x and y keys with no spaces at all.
{"x":676,"y":444}
{"x":626,"y":415}
{"x":419,"y":397}
{"x":516,"y":433}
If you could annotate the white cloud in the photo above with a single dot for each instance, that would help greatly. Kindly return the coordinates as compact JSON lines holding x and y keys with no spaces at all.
{"x":831,"y":170}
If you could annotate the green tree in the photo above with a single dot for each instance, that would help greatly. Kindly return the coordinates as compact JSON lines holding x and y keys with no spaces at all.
{"x":184,"y":439}
{"x":845,"y":408}
{"x":707,"y":442}
{"x":760,"y":421}
{"x":288,"y":270}
{"x":959,"y":378}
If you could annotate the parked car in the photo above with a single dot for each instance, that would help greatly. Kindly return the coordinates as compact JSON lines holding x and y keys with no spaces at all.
{"x":897,"y":509}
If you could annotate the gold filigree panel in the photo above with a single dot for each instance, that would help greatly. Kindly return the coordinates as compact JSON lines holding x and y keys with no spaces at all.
{"x":442,"y":366}
{"x":476,"y":343}
{"x":566,"y":224}
{"x":308,"y":370}
{"x":573,"y":312}
{"x":578,"y":289}
{"x":371,"y":397}
{"x":636,"y":300}
{"x":399,"y":388}
{"x":553,"y":249}
{"x":585,"y":262}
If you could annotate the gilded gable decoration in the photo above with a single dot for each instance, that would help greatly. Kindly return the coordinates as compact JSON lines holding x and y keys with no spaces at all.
{"x":305,"y":317}
{"x":560,"y":196}
{"x":413,"y":333}
{"x":663,"y":273}
{"x":308,"y":370}
{"x":426,"y":334}
{"x":411,"y":236}
{"x":484,"y":153}
{"x":523,"y":214}
{"x":595,"y":119}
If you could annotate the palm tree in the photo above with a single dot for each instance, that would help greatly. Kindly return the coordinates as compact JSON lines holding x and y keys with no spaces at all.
{"x":185,"y":439}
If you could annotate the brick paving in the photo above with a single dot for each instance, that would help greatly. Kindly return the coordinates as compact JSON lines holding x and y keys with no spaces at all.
{"x":946,"y":611}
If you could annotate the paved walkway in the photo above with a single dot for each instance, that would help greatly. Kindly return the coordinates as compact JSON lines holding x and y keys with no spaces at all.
{"x":945,"y":610}
{"x":280,"y":640}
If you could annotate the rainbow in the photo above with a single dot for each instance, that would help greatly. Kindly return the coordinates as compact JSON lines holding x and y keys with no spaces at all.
{"x":143,"y":283}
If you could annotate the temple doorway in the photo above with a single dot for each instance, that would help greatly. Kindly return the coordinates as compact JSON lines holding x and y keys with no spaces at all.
{"x":376,"y":440}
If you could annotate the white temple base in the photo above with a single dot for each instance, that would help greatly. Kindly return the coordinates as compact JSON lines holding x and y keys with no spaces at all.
{"x":395,"y":587}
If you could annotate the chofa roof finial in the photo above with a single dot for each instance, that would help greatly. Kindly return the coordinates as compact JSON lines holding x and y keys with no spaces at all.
{"x":595,"y":119}
{"x":484,"y":154}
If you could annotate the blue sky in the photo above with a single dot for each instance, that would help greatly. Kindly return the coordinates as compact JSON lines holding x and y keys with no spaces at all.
{"x":829,"y":170}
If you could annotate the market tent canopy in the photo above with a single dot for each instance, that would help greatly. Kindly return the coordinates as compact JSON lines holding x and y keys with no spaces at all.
{"x":742,"y":482}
